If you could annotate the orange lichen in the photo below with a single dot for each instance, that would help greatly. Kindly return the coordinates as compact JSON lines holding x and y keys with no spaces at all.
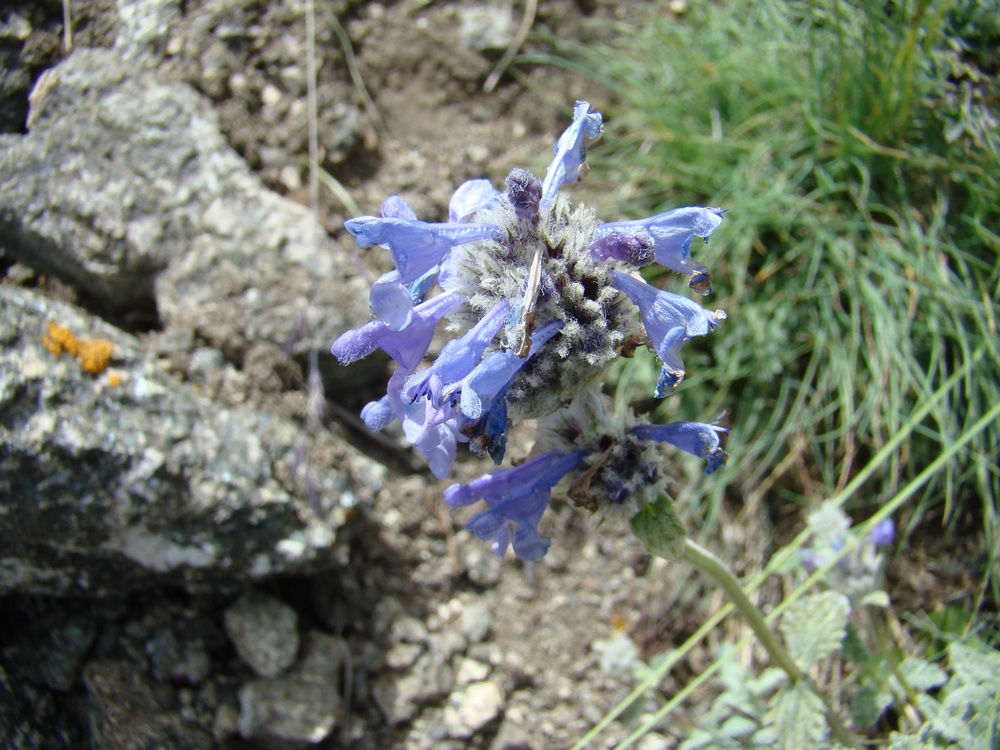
{"x":114,"y":379}
{"x":94,"y":354}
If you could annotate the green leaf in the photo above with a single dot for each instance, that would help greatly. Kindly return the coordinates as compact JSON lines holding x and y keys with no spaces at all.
{"x":797,"y":713}
{"x":870,"y":702}
{"x":907,"y":742}
{"x":815,"y":626}
{"x":854,"y":649}
{"x":922,"y":675}
{"x":974,"y":663}
{"x":660,"y":529}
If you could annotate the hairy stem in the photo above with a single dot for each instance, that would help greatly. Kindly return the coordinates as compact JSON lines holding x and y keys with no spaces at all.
{"x":712,"y":566}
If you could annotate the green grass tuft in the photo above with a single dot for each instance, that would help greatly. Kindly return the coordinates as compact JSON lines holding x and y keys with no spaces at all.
{"x":856,"y":146}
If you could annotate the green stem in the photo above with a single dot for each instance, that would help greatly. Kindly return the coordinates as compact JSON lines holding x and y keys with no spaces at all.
{"x":712,"y":566}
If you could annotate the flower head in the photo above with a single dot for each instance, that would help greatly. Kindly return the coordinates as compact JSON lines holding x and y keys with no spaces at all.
{"x":541,"y":299}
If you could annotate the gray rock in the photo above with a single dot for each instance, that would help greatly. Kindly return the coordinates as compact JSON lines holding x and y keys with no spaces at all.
{"x":107,"y":488}
{"x":174,"y":660}
{"x":125,"y":188}
{"x":510,"y":736}
{"x":28,"y":719}
{"x":323,"y":658}
{"x":473,"y":708}
{"x":288,"y":710}
{"x":399,"y":696}
{"x":264,"y":631}
{"x":475,"y":620}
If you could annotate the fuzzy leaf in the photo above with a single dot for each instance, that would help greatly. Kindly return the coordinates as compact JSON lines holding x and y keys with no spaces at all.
{"x":922,"y":675}
{"x":660,"y":529}
{"x":973,"y":663}
{"x":798,"y":717}
{"x":907,"y":742}
{"x":854,"y":648}
{"x":815,"y":626}
{"x":869,"y":704}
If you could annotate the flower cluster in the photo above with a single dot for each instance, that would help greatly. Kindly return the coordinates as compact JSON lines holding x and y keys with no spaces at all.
{"x":542,"y":297}
{"x":856,"y":573}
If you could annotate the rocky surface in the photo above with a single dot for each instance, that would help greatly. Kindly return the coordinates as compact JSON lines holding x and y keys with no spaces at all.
{"x":195,"y":551}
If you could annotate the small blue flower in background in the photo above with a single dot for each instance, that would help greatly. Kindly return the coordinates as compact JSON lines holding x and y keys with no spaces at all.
{"x":542,"y":297}
{"x":855,"y":573}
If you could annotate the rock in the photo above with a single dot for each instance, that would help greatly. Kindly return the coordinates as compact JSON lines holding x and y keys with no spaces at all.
{"x":399,"y":696}
{"x":288,"y":710}
{"x":28,"y":719}
{"x":162,"y":215}
{"x":485,"y":28}
{"x":472,"y":708}
{"x":111,"y":487}
{"x":174,"y":660}
{"x":474,"y":622}
{"x":125,"y":715}
{"x":264,"y":632}
{"x":510,"y":736}
{"x":470,"y":671}
{"x":323,"y":658}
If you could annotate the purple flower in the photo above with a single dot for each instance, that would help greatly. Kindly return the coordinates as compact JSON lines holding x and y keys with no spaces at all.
{"x":882,"y":533}
{"x":670,"y":320}
{"x":670,"y":235}
{"x":457,"y":358}
{"x":696,"y":438}
{"x":406,"y":346}
{"x":517,"y":498}
{"x":417,"y":246}
{"x":493,"y":375}
{"x":571,"y":153}
{"x":471,"y":196}
{"x":634,"y":249}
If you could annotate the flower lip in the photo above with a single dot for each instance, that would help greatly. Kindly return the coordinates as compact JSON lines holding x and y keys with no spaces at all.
{"x":697,"y":438}
{"x":417,"y":246}
{"x":516,"y":497}
{"x":670,"y":320}
{"x":569,"y":163}
{"x":457,"y":358}
{"x":671,"y":234}
{"x":406,"y":346}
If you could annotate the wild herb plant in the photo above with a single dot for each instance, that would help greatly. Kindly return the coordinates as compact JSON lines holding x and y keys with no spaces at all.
{"x":857,"y":146}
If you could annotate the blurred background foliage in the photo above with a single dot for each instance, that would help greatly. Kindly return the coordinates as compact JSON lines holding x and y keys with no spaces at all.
{"x":855,"y":145}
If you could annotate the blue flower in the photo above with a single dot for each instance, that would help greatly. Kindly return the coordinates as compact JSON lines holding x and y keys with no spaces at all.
{"x":457,"y":358}
{"x":571,"y":153}
{"x":696,"y":438}
{"x":407,"y":346}
{"x":417,"y":246}
{"x":670,"y":234}
{"x":516,"y":268}
{"x":476,"y":391}
{"x":517,"y":498}
{"x":634,"y":249}
{"x":670,"y":320}
{"x":882,"y":533}
{"x":470,"y":197}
